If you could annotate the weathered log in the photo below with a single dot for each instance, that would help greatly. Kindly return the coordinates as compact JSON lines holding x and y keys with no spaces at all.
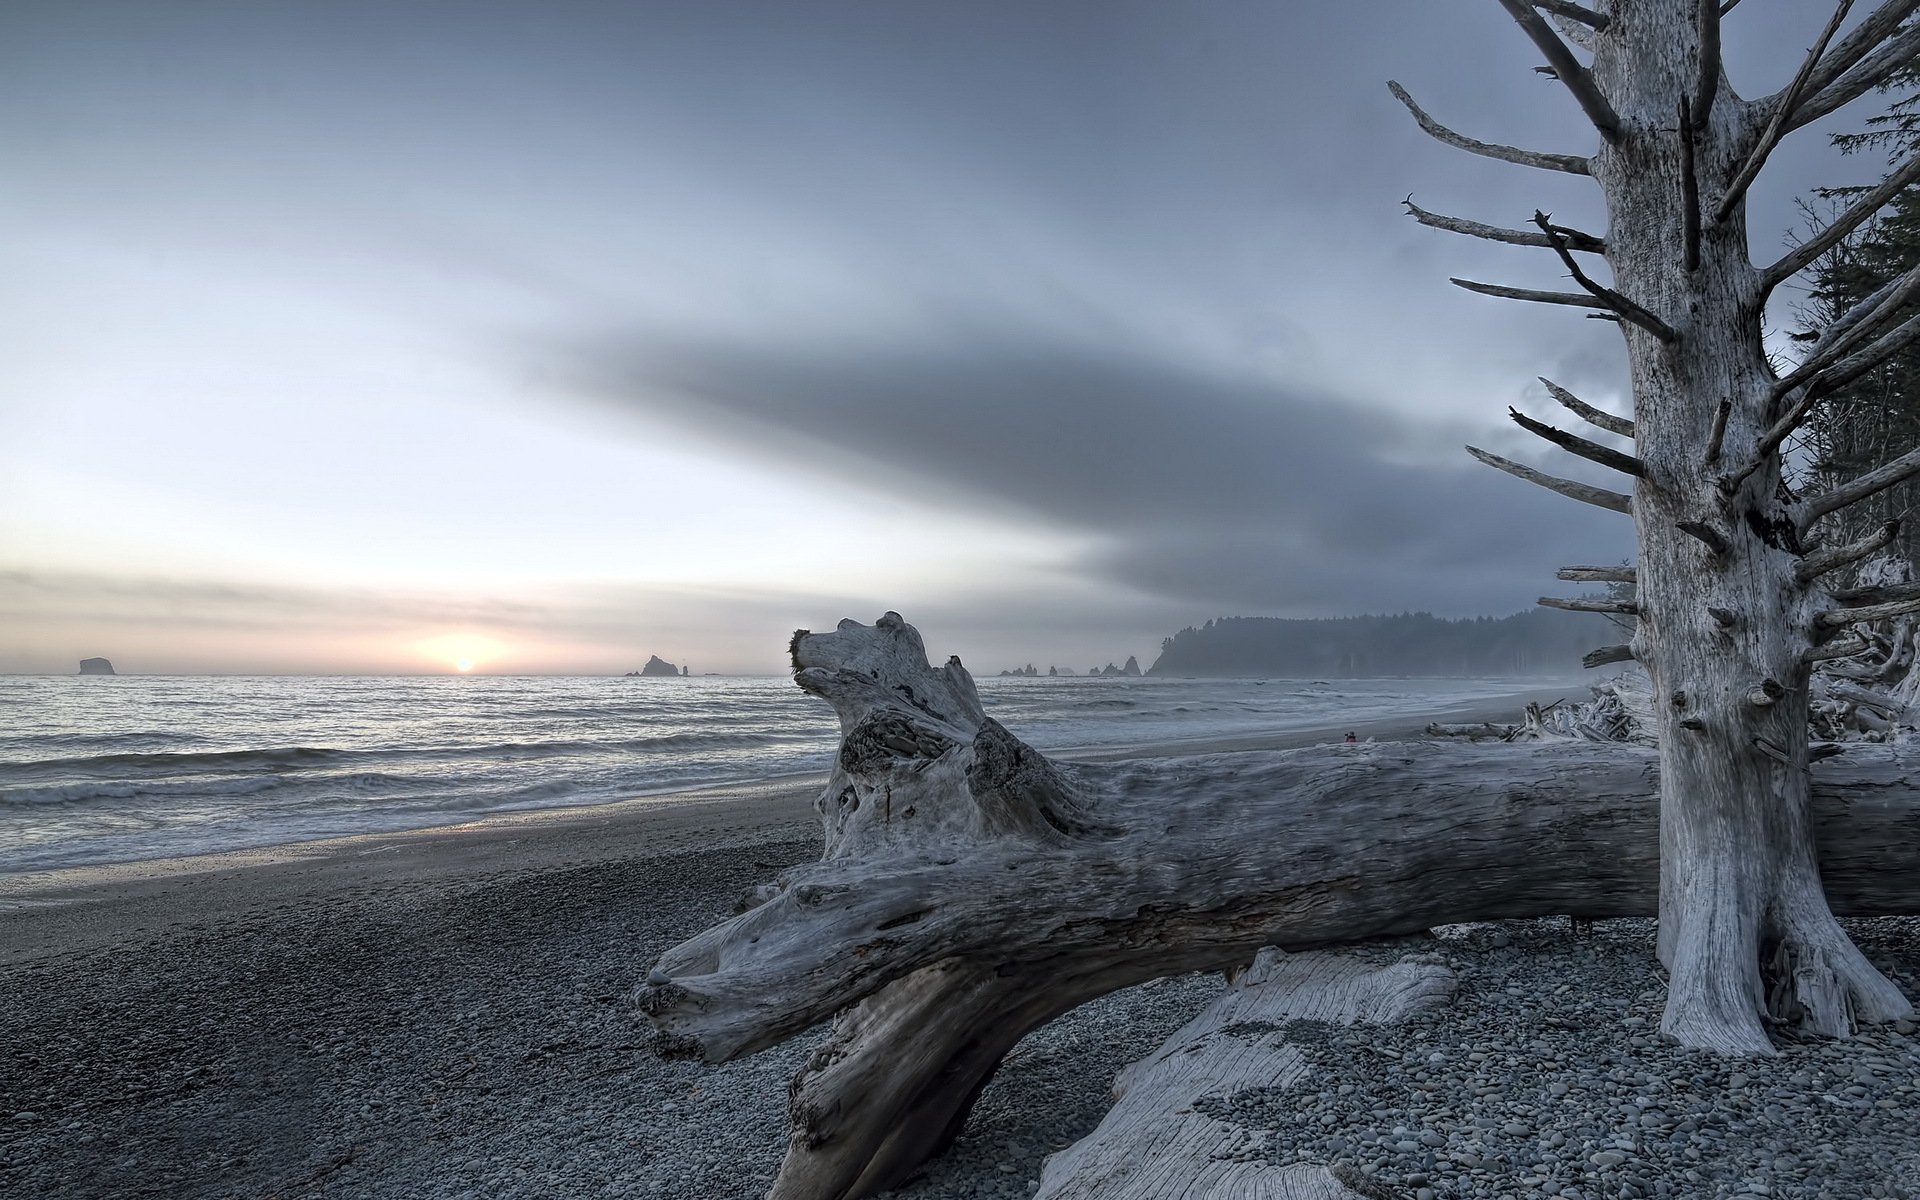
{"x":972,"y":890}
{"x":1156,"y":1145}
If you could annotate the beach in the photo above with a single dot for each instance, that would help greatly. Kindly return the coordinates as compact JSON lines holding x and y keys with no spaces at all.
{"x":444,"y":1013}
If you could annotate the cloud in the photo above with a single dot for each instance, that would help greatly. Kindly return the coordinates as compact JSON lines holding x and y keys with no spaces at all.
{"x":1185,"y":480}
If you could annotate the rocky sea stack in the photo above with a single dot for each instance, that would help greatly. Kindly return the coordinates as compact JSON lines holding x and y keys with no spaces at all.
{"x":656,"y":666}
{"x":95,"y":666}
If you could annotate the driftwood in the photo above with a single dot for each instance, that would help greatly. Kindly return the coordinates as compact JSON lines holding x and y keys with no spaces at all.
{"x":972,"y":890}
{"x":1156,"y":1145}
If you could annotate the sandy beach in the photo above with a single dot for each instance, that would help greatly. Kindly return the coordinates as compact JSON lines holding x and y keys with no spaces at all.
{"x":438,"y":1012}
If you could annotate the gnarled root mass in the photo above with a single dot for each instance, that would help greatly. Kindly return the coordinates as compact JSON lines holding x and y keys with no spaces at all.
{"x":972,"y":890}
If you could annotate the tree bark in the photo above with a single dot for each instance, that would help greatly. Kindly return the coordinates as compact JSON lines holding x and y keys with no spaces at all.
{"x":1741,"y":903}
{"x":972,"y":890}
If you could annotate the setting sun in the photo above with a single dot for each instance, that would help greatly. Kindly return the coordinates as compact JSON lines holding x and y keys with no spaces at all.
{"x":462,"y":652}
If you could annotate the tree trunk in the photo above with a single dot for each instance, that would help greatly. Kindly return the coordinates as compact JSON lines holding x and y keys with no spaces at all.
{"x":972,"y":890}
{"x":1744,"y":927}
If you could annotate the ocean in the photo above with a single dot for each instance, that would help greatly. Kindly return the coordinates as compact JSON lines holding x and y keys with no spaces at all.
{"x":100,"y":769}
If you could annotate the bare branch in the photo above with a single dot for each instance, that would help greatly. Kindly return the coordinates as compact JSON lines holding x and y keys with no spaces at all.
{"x":1859,"y":323}
{"x":1576,"y":299}
{"x":1627,"y":309}
{"x":1814,"y":565}
{"x":1877,"y":480}
{"x":1596,"y":574}
{"x":1870,"y":74}
{"x":1706,"y":86}
{"x":1857,"y":364}
{"x":1592,"y":605}
{"x":1587,"y":412}
{"x":1494,"y":233}
{"x":1585,"y":493}
{"x":1784,"y":105}
{"x":1840,"y":618}
{"x":1839,"y":648}
{"x":1719,"y":432}
{"x":1605,"y":655}
{"x":1881,"y":24}
{"x":1591,"y":451}
{"x":1573,"y":164}
{"x":1806,"y":253}
{"x":1877,"y":595}
{"x":1575,"y":12}
{"x":1566,"y":68}
{"x":1705,"y":534}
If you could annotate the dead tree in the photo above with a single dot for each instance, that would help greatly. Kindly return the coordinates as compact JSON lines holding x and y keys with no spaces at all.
{"x":1730,"y":597}
{"x":972,"y":889}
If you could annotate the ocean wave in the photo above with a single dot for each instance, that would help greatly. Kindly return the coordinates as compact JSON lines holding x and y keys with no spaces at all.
{"x":280,"y":759}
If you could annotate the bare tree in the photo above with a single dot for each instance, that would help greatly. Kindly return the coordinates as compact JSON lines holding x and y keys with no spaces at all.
{"x":1729,"y":593}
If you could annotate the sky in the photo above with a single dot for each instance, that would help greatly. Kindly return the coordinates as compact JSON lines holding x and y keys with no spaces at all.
{"x":346,"y":336}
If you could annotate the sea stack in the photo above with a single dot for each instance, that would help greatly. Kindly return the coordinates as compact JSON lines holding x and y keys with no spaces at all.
{"x":95,"y":666}
{"x":659,"y":666}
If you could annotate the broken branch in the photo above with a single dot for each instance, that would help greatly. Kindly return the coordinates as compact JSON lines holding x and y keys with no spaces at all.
{"x":1628,"y":309}
{"x":1840,"y":618}
{"x":1814,"y":565}
{"x":1597,"y":574}
{"x":1587,"y":412}
{"x":1573,"y":164}
{"x":1591,"y":451}
{"x":1806,"y":253}
{"x":1494,"y":233}
{"x":1574,"y":299}
{"x":1877,"y":480}
{"x":1566,"y":68}
{"x":1585,"y":493}
{"x":1605,"y":655}
{"x":1590,"y":604}
{"x":1784,"y":105}
{"x":1848,"y":73}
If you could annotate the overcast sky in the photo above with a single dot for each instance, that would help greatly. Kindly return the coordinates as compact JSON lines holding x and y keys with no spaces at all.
{"x":370,"y":336}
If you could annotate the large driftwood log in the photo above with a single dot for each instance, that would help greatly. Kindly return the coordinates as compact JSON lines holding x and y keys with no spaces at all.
{"x":1157,"y":1145}
{"x":972,"y":890}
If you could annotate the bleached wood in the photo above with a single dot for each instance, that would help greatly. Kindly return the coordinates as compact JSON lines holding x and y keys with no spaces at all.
{"x":972,"y":889}
{"x":1574,"y":12}
{"x":1571,"y":163}
{"x":1832,"y":558}
{"x":1572,"y":489}
{"x":1782,"y":108}
{"x":1876,"y":69}
{"x":1598,"y":418}
{"x":1626,"y":308}
{"x":1595,"y":574}
{"x":1855,"y":490}
{"x":1840,"y":618}
{"x":1847,"y":53}
{"x":1494,"y":233}
{"x":1153,"y":1145}
{"x":1845,"y":222}
{"x":1566,"y":68}
{"x":1589,"y":604}
{"x":1501,"y":291}
{"x":1606,"y":655}
{"x":1573,"y":443}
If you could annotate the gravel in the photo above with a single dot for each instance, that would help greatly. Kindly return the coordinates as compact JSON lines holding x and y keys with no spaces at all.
{"x":477,"y":1040}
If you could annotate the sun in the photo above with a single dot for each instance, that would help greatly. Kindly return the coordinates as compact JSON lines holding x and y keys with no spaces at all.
{"x":463,"y":652}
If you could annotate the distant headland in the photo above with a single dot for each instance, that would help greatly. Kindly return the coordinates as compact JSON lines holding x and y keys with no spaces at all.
{"x":96,"y":666}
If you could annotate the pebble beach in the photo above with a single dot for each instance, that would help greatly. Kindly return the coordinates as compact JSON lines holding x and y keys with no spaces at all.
{"x":447,"y":1014}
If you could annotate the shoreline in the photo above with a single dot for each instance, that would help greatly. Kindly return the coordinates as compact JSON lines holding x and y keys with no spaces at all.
{"x":40,"y":909}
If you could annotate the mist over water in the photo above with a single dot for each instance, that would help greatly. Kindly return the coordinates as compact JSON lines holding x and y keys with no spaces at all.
{"x":109,"y":769}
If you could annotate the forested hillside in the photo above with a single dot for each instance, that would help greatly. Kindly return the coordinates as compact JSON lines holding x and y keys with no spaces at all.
{"x":1542,"y":641}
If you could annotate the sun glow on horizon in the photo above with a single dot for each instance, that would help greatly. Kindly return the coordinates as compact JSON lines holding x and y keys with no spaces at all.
{"x":461,"y":652}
